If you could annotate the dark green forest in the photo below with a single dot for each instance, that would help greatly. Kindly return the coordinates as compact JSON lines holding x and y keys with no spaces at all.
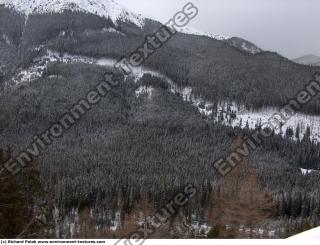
{"x":129,"y":147}
{"x":131,"y":151}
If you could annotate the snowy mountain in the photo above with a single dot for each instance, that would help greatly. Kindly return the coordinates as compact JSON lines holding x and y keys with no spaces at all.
{"x":308,"y":60}
{"x":192,"y":31}
{"x":244,"y":45}
{"x":163,"y":125}
{"x":114,"y":11}
{"x":235,"y":42}
{"x":103,"y":8}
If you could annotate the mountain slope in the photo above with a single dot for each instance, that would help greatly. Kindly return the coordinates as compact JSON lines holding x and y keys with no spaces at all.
{"x":102,"y":8}
{"x":235,"y":42}
{"x":212,"y":68}
{"x":111,"y":10}
{"x":243,"y":45}
{"x":143,"y":139}
{"x":192,"y":31}
{"x":308,"y":60}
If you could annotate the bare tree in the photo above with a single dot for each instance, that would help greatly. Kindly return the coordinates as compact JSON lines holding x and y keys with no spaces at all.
{"x":239,"y":199}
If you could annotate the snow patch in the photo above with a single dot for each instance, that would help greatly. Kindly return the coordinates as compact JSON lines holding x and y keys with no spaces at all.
{"x":116,"y":223}
{"x":192,"y":31}
{"x":308,"y":171}
{"x":110,"y":29}
{"x":250,"y":49}
{"x":236,"y":115}
{"x":102,"y":8}
{"x":232,"y":114}
{"x":144,"y":90}
{"x":225,"y":112}
{"x":62,"y":34}
{"x":246,"y":46}
{"x":201,"y":228}
{"x":186,"y":93}
{"x":261,"y":116}
{"x":40,"y":65}
{"x":6,"y":39}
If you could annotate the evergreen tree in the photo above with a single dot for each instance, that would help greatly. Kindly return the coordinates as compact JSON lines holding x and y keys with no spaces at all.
{"x":297,"y":134}
{"x":307,"y":134}
{"x":289,"y":132}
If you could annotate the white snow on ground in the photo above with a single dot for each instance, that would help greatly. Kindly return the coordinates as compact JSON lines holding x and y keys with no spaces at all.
{"x":244,"y":46}
{"x":116,"y":223}
{"x":144,"y":90}
{"x":257,"y":232}
{"x":201,"y":228}
{"x":192,"y":31}
{"x":40,"y":64}
{"x":110,"y":29}
{"x":262,"y":116}
{"x":103,"y":8}
{"x":6,"y":39}
{"x":308,"y":171}
{"x":311,"y":234}
{"x":232,"y":114}
{"x":250,"y":49}
{"x":228,"y":113}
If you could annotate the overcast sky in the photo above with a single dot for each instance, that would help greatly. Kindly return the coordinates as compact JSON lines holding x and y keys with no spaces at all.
{"x":290,"y":27}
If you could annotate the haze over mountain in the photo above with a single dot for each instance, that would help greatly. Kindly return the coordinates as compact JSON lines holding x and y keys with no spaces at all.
{"x":308,"y":60}
{"x":251,"y":20}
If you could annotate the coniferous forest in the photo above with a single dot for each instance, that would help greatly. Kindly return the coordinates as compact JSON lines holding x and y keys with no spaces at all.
{"x":131,"y":154}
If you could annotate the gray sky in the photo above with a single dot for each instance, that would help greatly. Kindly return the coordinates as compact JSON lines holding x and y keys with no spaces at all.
{"x":289,"y":27}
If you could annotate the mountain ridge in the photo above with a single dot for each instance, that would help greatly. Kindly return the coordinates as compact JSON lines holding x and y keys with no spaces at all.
{"x":103,"y":8}
{"x":114,"y":11}
{"x":308,"y":59}
{"x":162,"y":127}
{"x":211,"y":66}
{"x":235,"y":42}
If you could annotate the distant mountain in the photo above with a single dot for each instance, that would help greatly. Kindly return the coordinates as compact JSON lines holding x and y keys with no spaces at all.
{"x":110,"y":10}
{"x":243,"y":45}
{"x":308,"y":60}
{"x":236,"y":42}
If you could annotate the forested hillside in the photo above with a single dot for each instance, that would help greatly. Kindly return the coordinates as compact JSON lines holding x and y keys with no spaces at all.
{"x":143,"y":143}
{"x":212,"y":67}
{"x":129,"y":146}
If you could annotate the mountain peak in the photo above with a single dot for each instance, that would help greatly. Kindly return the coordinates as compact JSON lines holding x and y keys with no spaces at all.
{"x":104,"y":8}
